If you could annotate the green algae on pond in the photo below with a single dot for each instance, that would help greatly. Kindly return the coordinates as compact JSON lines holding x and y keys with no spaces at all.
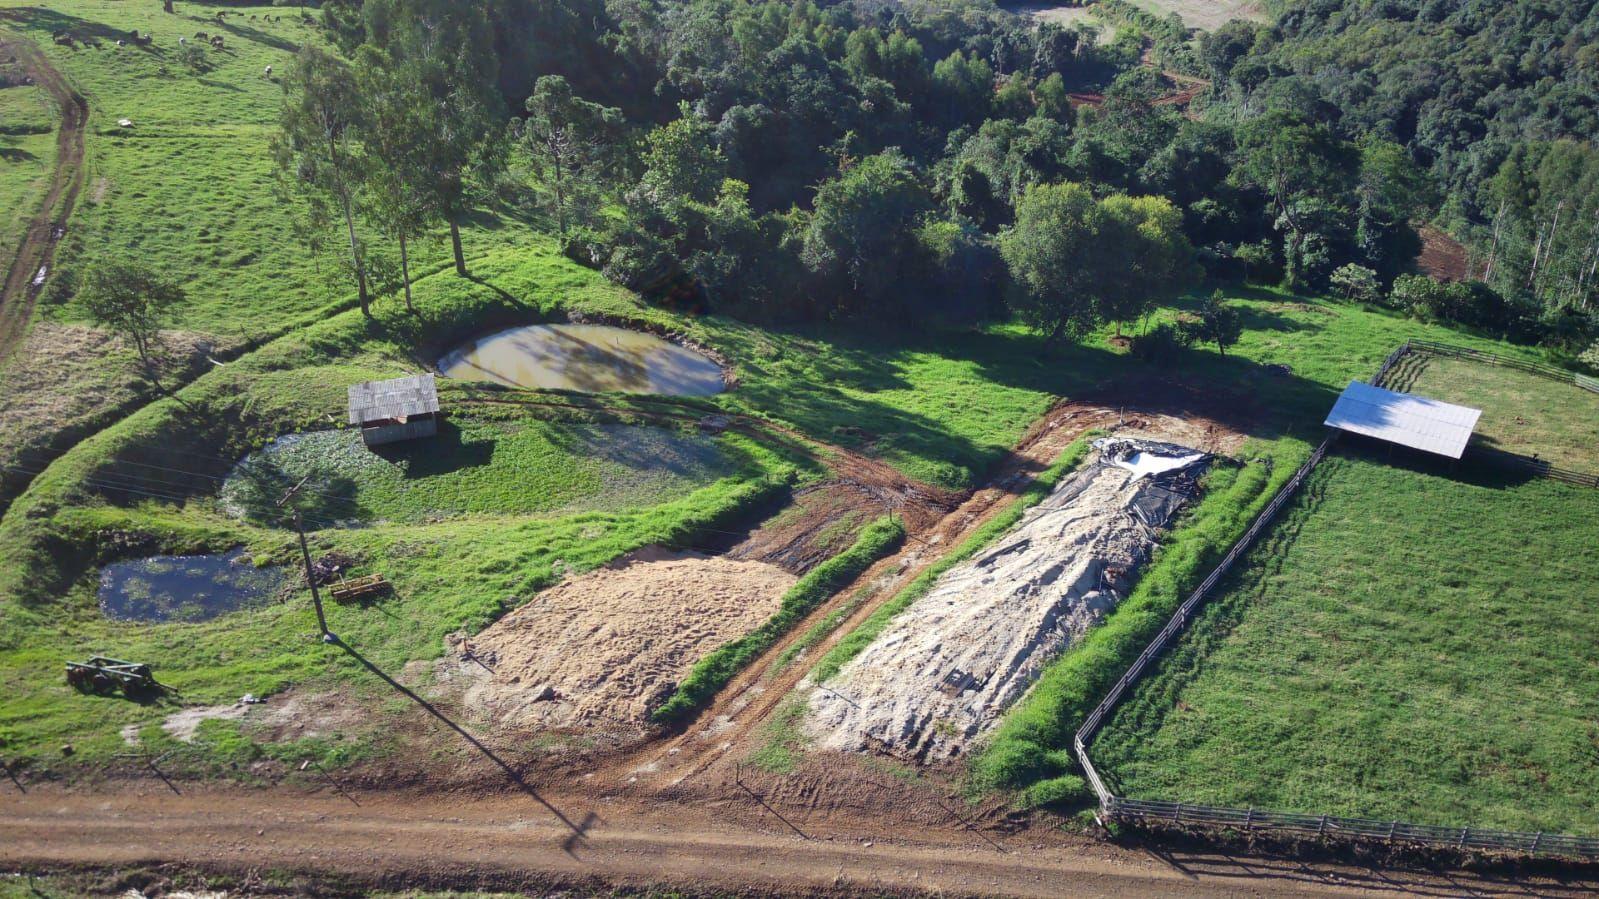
{"x":478,"y":466}
{"x":586,"y":358}
{"x":186,"y":588}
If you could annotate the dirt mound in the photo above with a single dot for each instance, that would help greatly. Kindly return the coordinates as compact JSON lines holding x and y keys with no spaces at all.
{"x":601,"y":650}
{"x":947,"y":668}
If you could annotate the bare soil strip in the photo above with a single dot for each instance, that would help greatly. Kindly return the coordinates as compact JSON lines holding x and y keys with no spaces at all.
{"x":754,"y":695}
{"x":398,"y":840}
{"x":37,"y":250}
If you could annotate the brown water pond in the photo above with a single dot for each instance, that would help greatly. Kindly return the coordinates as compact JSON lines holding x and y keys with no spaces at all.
{"x":587,"y":358}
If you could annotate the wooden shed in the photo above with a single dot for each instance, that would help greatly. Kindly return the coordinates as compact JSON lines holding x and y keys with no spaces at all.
{"x":401,"y":409}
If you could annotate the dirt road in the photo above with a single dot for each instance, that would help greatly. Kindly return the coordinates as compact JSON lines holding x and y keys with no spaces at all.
{"x":515,"y":843}
{"x":37,"y":250}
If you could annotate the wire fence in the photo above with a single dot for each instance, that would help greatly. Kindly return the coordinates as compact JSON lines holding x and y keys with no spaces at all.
{"x":1532,"y":466}
{"x":1533,"y":368}
{"x":1287,"y":824}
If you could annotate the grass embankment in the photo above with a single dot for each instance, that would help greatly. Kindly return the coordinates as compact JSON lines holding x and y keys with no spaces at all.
{"x":1412,"y":641}
{"x":713,"y":672}
{"x":448,"y":575}
{"x":1521,"y":413}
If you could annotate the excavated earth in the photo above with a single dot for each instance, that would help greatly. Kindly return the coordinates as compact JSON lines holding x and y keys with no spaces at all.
{"x":599,"y":651}
{"x":949,"y":666}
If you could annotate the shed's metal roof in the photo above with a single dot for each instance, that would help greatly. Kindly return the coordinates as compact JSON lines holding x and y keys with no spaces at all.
{"x":1407,"y":420}
{"x":399,"y":398}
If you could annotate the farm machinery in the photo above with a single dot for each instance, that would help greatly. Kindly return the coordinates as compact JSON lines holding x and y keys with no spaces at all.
{"x":104,"y":675}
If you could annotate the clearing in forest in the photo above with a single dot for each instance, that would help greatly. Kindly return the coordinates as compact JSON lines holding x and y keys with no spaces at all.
{"x":1207,"y":15}
{"x":1412,"y":640}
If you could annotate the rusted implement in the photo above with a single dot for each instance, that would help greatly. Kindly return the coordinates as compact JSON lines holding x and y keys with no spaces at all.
{"x":360,"y":588}
{"x":102,"y":675}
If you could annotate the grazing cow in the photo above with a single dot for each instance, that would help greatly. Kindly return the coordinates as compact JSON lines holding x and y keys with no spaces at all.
{"x":201,"y":36}
{"x":216,"y":41}
{"x":183,"y":42}
{"x":267,"y":71}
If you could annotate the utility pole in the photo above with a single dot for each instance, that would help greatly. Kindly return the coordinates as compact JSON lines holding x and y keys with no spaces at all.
{"x":305,"y":553}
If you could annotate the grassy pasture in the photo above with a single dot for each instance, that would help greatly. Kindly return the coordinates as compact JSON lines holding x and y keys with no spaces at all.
{"x":1411,"y":641}
{"x":1521,"y":413}
{"x":511,"y":466}
{"x":572,"y":513}
{"x":26,"y":161}
{"x":189,"y":187}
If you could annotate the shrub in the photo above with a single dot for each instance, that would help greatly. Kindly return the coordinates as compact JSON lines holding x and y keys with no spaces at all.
{"x":1164,"y":344}
{"x":1065,"y":789}
{"x":1357,"y":283}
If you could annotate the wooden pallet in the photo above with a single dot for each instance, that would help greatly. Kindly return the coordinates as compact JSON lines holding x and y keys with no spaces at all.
{"x":360,"y":588}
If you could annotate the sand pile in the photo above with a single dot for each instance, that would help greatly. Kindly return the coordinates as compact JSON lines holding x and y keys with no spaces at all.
{"x":606,"y":647}
{"x":947,"y":667}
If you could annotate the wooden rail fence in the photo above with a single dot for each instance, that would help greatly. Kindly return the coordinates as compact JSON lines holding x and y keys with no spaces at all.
{"x":1327,"y":827}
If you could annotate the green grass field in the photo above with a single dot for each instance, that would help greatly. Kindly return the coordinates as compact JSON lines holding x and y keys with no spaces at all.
{"x":1521,"y":413}
{"x":1411,"y":641}
{"x":507,"y":501}
{"x":482,"y":466}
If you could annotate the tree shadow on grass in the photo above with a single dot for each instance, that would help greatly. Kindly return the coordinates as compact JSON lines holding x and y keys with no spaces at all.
{"x":45,"y":23}
{"x":579,"y":829}
{"x":1479,"y":467}
{"x":251,"y":33}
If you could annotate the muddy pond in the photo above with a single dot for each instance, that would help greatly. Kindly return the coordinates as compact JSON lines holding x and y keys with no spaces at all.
{"x":587,"y":358}
{"x":186,"y":588}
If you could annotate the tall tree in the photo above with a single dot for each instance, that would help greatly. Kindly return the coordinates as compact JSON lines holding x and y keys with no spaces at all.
{"x":1079,"y":261}
{"x":1293,"y":161}
{"x":571,"y":143}
{"x":448,"y":47}
{"x":1144,"y":257}
{"x":863,"y":228}
{"x":393,"y":114}
{"x":1051,"y":252}
{"x":316,"y":150}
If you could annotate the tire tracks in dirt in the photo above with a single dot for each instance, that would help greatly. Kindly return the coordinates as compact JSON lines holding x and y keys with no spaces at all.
{"x":37,"y":250}
{"x":755,"y":693}
{"x":396,"y":840}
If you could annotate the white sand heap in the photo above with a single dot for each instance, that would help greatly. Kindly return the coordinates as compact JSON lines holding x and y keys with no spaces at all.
{"x":603,"y":648}
{"x":949,"y":665}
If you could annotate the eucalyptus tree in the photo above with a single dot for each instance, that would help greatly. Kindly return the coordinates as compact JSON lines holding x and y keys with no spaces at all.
{"x":448,"y":48}
{"x":317,"y":150}
{"x":395,"y":187}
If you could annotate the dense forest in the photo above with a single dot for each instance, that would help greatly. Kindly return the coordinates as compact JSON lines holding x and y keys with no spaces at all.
{"x":949,"y":161}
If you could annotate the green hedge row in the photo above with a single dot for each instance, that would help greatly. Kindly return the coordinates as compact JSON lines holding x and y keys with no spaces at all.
{"x":858,"y":639}
{"x":1030,"y":749}
{"x":713,"y":672}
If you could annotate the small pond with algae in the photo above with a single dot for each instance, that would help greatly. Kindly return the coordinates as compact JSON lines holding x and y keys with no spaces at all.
{"x":585,"y":358}
{"x":186,"y":588}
